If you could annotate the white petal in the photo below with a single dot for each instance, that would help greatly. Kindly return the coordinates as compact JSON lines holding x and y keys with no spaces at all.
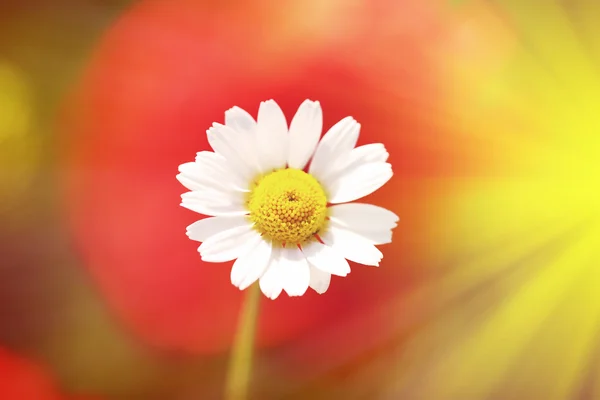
{"x":352,"y":246}
{"x":190,"y":177}
{"x":334,"y":147}
{"x":370,"y":153}
{"x":213,"y":203}
{"x":215,"y":162}
{"x":272,"y":139}
{"x":228,"y":245}
{"x":271,"y":282}
{"x":325,"y":258}
{"x":359,"y":182}
{"x":248,"y":268}
{"x":198,"y":176}
{"x":305,"y":131}
{"x":363,"y":216}
{"x":207,"y":227}
{"x":375,"y":236}
{"x":296,"y":274}
{"x":374,"y":152}
{"x":319,"y":280}
{"x":235,"y":147}
{"x":240,"y":120}
{"x":358,"y":156}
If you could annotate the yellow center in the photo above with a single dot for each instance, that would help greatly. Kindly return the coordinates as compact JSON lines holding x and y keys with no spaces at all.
{"x":288,"y":206}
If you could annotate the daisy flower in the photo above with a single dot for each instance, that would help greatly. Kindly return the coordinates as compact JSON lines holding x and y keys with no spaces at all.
{"x":288,"y":226}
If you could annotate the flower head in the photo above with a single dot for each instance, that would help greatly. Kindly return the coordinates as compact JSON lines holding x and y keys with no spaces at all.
{"x":285,"y":224}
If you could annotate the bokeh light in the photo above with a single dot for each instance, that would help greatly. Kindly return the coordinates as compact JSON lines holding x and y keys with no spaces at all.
{"x":19,"y":145}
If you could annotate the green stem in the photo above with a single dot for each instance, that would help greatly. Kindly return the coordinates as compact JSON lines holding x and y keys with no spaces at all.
{"x":240,"y":364}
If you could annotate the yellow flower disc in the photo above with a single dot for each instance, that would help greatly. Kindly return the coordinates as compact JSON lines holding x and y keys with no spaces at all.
{"x":288,"y":206}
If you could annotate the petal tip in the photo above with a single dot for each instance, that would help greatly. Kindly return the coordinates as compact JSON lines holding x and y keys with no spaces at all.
{"x":232,"y":109}
{"x":273,"y":295}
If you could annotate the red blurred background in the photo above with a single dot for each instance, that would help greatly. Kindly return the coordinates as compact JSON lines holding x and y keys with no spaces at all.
{"x":99,"y":283}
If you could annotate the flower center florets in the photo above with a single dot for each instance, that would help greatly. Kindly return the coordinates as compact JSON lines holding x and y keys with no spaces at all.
{"x":288,"y":206}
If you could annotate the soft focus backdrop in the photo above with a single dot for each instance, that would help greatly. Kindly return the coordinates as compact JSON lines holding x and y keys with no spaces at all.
{"x":489,"y":109}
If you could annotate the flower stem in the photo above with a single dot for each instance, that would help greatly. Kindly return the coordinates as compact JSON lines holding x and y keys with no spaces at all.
{"x":240,"y":364}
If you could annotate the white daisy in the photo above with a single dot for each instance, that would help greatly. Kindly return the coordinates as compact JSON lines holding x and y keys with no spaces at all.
{"x":283,"y":224}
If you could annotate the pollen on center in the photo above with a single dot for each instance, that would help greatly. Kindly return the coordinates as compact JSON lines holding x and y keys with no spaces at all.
{"x":288,"y":206}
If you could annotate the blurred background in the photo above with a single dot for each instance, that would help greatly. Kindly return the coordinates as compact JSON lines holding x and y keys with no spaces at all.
{"x":489,"y":110}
